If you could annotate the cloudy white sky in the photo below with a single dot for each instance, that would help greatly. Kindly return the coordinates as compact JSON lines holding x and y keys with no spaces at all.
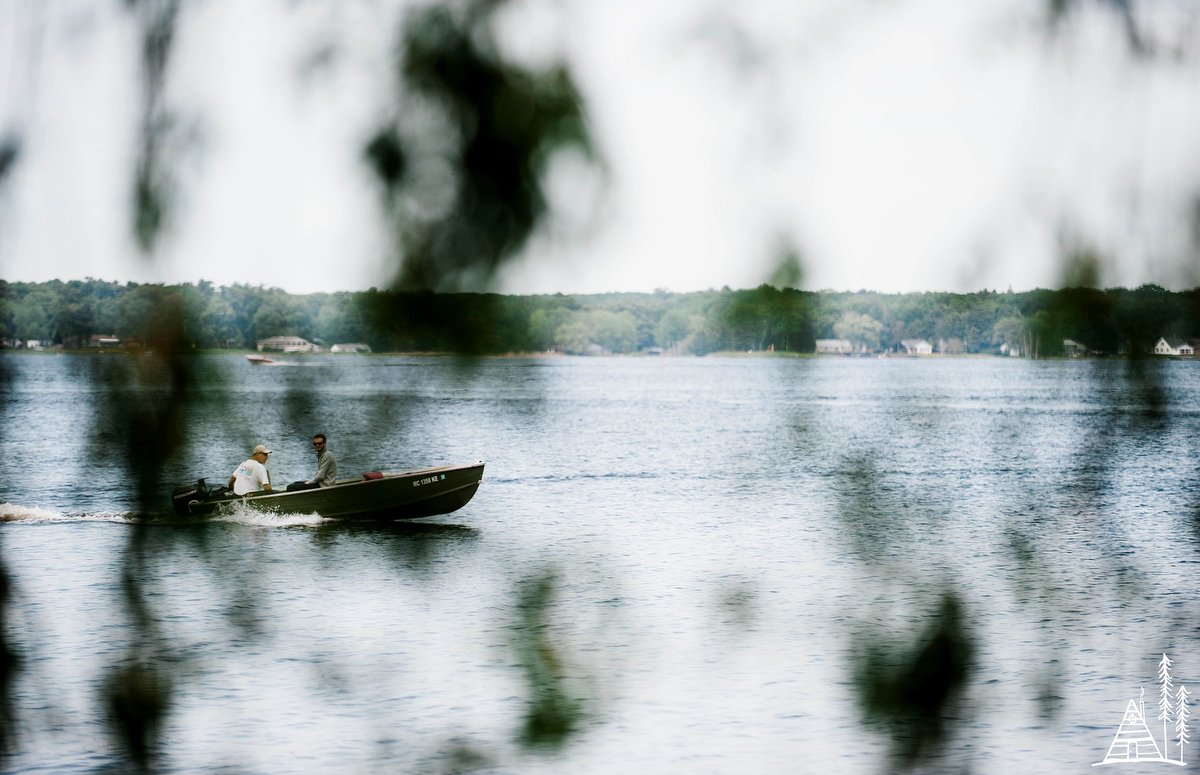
{"x":900,"y":145}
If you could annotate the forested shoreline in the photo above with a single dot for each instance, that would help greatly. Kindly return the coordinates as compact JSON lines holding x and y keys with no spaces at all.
{"x":765,"y":318}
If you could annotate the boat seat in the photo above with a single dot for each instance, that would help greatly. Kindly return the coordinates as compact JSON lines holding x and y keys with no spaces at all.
{"x":373,"y":475}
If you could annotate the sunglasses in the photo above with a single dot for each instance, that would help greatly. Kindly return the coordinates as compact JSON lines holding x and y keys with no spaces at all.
{"x":318,"y":443}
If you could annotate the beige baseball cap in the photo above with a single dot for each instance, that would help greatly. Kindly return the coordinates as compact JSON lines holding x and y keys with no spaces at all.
{"x":262,"y":449}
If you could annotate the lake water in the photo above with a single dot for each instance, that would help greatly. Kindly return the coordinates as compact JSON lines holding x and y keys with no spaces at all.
{"x":709,"y":565}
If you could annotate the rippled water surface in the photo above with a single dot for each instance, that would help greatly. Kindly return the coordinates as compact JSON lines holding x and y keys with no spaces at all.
{"x":690,"y":565}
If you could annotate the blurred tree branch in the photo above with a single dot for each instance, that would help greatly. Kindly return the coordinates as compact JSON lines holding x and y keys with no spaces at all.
{"x":461,"y":164}
{"x":153,"y":182}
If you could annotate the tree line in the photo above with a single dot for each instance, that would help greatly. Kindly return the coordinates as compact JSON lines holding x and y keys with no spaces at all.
{"x":781,"y":319}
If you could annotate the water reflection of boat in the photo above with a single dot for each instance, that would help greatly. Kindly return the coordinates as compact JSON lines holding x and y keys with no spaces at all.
{"x":375,"y":496}
{"x":258,"y":360}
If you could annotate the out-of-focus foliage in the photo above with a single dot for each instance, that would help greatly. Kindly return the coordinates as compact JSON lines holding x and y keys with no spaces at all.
{"x":138,"y":697}
{"x":912,"y":688}
{"x":10,"y":150}
{"x":553,"y":713}
{"x":153,"y":186}
{"x":462,"y":160}
{"x":9,"y":662}
{"x":788,"y":270}
{"x":1142,"y":42}
{"x":1034,"y":322}
{"x":141,"y":422}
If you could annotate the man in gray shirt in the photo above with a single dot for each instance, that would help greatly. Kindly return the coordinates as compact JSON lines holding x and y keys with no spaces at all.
{"x":326,"y":465}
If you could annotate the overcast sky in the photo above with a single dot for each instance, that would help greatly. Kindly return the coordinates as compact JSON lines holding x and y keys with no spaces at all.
{"x":899,"y":146}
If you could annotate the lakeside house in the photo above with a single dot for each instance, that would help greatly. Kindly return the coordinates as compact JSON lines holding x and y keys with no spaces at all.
{"x":353,"y":347}
{"x":287,"y":344}
{"x":13,"y":343}
{"x":834,"y":347}
{"x":1166,"y":346}
{"x":81,"y":342}
{"x":917,"y":346}
{"x":1071,"y":347}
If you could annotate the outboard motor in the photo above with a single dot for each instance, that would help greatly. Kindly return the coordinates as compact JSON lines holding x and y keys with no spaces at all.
{"x":184,"y":497}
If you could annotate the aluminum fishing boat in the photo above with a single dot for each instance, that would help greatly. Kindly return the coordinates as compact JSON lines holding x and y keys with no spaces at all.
{"x":374,"y":496}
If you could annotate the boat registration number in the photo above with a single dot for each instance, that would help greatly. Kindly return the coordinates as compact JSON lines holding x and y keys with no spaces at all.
{"x":428,"y":480}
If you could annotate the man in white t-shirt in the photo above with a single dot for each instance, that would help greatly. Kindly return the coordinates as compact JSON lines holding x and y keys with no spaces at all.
{"x":252,"y":475}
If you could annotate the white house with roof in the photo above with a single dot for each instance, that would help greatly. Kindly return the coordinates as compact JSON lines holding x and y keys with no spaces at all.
{"x":103,"y":340}
{"x":287,"y":344}
{"x":834,"y":347}
{"x":1173,"y":347}
{"x":917,"y":346}
{"x":353,"y":347}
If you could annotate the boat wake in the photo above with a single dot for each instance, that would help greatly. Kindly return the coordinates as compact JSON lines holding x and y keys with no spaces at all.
{"x":11,"y":512}
{"x":238,"y":515}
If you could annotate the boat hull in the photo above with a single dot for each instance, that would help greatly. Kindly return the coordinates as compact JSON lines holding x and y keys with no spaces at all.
{"x":409,"y":495}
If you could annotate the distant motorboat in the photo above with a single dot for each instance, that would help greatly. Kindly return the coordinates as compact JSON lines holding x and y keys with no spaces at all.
{"x":374,"y":496}
{"x":258,"y":360}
